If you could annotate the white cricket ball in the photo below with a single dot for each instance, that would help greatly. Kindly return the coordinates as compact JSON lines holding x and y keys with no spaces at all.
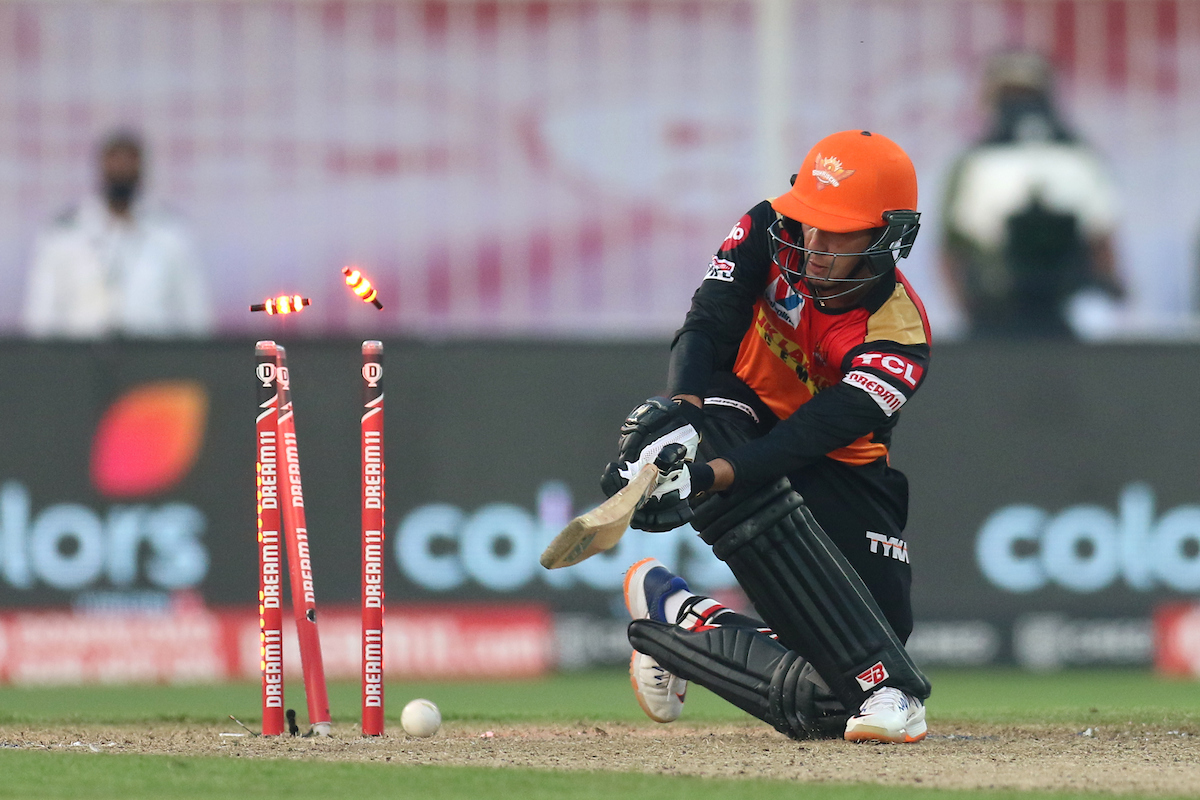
{"x":421,"y":718}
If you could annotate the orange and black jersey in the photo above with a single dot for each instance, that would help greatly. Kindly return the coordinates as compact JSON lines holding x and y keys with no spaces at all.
{"x":835,"y":378}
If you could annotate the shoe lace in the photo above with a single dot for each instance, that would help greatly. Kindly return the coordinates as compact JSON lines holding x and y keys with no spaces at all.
{"x":885,"y":699}
{"x":661,"y":677}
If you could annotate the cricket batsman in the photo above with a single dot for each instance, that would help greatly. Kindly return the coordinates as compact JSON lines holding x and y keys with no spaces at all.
{"x":803,"y":343}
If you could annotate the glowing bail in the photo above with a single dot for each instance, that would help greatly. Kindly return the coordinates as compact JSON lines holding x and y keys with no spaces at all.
{"x":362,"y":287}
{"x":284,"y":304}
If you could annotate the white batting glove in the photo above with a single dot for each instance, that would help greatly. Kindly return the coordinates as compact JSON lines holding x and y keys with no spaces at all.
{"x":686,"y":436}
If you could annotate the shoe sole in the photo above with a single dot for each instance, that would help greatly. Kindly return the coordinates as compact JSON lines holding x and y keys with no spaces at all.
{"x":869,"y":733}
{"x":638,"y":692}
{"x":637,"y":610}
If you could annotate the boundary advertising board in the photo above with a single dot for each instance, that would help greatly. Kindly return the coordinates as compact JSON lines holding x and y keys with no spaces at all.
{"x":1054,"y":486}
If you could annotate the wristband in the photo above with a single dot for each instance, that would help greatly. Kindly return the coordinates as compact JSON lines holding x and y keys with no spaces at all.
{"x":702,"y":477}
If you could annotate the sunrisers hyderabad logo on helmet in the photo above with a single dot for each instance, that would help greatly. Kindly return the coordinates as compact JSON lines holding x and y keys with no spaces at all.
{"x":829,"y":171}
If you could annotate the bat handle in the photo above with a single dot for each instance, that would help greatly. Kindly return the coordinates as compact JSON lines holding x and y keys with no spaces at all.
{"x":671,"y":456}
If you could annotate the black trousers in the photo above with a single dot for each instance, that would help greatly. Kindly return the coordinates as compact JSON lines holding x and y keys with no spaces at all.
{"x":863,"y":509}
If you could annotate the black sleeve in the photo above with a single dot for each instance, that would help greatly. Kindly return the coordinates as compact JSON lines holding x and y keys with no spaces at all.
{"x":880,"y":377}
{"x":723,"y":305}
{"x":693,"y":361}
{"x":833,"y":419}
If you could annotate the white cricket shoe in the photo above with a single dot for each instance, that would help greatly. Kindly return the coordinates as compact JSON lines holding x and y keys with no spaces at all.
{"x":647,"y":585}
{"x":888,"y":715}
{"x":659,"y":693}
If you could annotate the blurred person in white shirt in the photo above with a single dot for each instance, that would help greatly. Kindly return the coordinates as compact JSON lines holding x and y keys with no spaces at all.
{"x":114,"y":267}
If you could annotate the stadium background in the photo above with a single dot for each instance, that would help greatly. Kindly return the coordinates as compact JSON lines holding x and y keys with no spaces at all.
{"x":536,"y":189}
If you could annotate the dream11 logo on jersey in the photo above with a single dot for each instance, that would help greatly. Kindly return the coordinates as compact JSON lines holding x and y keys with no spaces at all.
{"x":146,"y":443}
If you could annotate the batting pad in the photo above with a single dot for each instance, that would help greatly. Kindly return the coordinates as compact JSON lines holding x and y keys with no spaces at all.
{"x":807,"y":592}
{"x":749,"y":669}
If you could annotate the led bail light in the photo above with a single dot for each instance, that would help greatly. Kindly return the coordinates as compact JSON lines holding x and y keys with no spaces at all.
{"x":284,"y":304}
{"x":362,"y":287}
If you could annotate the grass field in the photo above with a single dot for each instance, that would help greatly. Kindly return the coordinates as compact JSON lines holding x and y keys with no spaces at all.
{"x":1072,"y":701}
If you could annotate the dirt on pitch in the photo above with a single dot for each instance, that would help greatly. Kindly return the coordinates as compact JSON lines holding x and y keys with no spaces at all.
{"x":1115,"y":759}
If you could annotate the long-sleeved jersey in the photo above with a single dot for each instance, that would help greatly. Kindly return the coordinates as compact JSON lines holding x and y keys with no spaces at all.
{"x":835,"y":378}
{"x":95,"y":275}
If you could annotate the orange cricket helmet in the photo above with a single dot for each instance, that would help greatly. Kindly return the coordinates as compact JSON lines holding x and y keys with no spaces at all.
{"x":850,"y":181}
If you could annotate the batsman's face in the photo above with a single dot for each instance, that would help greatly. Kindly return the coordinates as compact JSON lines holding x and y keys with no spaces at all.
{"x":835,"y":256}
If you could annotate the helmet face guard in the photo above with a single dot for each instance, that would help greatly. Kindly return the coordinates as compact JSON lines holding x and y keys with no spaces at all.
{"x":893,"y":242}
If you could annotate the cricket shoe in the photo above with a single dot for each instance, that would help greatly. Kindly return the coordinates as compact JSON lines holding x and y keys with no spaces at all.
{"x":888,"y":715}
{"x":647,"y":585}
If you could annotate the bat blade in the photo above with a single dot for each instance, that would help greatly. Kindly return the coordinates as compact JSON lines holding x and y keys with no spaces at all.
{"x":602,"y":527}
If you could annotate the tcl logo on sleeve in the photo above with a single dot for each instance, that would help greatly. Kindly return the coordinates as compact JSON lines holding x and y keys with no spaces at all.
{"x":738,"y":234}
{"x":899,"y":366}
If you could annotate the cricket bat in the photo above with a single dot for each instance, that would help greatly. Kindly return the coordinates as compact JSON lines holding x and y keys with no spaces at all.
{"x":602,"y":527}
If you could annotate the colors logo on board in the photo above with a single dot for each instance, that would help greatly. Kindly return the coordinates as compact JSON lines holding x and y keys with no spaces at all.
{"x":149,"y":439}
{"x":146,"y":444}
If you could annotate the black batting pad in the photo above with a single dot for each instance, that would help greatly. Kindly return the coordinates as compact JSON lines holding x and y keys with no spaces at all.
{"x":807,"y":592}
{"x":749,"y":669}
